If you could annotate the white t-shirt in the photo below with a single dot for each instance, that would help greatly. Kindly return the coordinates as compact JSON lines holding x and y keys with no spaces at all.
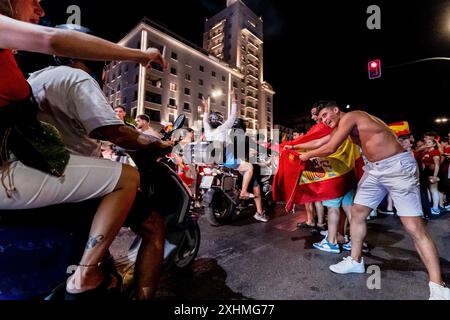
{"x":221,"y":132}
{"x":73,"y":102}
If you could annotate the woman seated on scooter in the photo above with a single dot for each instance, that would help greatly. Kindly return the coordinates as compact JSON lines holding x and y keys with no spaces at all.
{"x":25,"y":187}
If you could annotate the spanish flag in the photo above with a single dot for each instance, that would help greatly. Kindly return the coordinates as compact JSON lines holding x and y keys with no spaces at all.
{"x":400,"y":128}
{"x":324,"y":179}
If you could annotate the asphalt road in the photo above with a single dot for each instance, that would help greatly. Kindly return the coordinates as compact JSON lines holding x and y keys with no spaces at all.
{"x":252,"y":260}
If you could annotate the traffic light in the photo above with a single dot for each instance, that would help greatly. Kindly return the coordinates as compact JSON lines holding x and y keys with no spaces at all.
{"x":374,"y":68}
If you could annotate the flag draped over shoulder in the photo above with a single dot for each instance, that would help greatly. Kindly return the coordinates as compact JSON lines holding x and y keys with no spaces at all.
{"x":318,"y":180}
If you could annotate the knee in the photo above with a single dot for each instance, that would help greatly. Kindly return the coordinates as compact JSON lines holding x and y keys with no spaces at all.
{"x":129,"y":178}
{"x":359,"y":214}
{"x":154,"y":226}
{"x":415,"y":229}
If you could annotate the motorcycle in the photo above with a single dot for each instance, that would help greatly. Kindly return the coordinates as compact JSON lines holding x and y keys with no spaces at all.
{"x":39,"y":248}
{"x":221,"y":188}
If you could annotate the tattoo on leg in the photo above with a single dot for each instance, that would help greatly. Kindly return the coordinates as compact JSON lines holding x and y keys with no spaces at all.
{"x":93,"y":241}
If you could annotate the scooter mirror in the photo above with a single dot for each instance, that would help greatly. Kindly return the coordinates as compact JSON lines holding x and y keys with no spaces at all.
{"x":179,"y":122}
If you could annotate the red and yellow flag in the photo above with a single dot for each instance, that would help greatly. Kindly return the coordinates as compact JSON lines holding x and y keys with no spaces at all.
{"x":400,"y":128}
{"x":318,"y":180}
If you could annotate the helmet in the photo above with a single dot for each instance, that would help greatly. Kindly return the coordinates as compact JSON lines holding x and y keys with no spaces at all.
{"x":215,"y":119}
{"x":96,"y":67}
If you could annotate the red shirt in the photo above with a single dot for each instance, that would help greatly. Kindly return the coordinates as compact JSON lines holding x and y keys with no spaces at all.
{"x":446,"y":163}
{"x":427,"y":158}
{"x":13,"y":86}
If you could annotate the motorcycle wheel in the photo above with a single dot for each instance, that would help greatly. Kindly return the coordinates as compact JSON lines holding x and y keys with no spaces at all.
{"x":222,"y":208}
{"x":188,"y":250}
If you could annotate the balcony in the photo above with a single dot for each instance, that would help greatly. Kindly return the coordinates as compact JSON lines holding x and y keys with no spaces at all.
{"x":252,"y":54}
{"x":253,"y":64}
{"x":250,"y":74}
{"x":216,"y":35}
{"x":251,"y":96}
{"x":252,"y":85}
{"x":252,"y":44}
{"x":217,"y":45}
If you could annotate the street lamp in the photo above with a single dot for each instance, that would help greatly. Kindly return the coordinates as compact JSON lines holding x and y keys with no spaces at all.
{"x":216,"y":93}
{"x":441,"y":120}
{"x":347,"y":107}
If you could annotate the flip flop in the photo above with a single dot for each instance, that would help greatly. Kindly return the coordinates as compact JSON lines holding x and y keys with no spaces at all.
{"x":109,"y":288}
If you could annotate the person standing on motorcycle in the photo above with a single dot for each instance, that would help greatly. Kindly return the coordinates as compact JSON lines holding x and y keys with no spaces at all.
{"x":70,"y":98}
{"x":218,"y":131}
{"x":84,"y":177}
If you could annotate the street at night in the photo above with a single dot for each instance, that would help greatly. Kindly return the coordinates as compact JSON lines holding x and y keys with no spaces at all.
{"x":276,"y":261}
{"x":231,"y":150}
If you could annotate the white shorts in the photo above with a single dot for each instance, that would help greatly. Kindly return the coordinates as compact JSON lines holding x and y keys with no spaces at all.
{"x":85,"y":178}
{"x":398,"y":176}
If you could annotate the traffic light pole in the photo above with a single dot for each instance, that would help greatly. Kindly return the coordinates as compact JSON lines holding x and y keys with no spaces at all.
{"x":418,"y":61}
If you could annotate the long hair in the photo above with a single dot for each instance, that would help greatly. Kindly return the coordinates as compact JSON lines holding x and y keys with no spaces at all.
{"x":6,"y":8}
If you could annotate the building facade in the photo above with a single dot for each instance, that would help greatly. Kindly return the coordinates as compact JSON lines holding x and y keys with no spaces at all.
{"x":235,"y":35}
{"x":193,"y":73}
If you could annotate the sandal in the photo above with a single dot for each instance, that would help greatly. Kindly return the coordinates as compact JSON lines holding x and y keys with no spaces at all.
{"x":250,"y":196}
{"x":109,"y":288}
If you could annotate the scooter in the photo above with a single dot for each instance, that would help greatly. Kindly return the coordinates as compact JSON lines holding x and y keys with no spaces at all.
{"x":221,"y":187}
{"x":40,"y":248}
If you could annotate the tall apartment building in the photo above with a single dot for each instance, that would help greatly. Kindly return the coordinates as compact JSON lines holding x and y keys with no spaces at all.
{"x":193,"y":73}
{"x":235,"y":35}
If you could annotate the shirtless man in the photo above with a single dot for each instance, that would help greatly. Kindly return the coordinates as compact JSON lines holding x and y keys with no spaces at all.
{"x":390,"y":170}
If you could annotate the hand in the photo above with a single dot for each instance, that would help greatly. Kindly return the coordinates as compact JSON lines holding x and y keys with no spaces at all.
{"x":287,"y":147}
{"x":153,"y":55}
{"x":304,"y":157}
{"x":233,"y":96}
{"x":205,"y":104}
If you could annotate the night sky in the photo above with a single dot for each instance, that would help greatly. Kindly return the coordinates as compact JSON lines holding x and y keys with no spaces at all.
{"x":318,"y":49}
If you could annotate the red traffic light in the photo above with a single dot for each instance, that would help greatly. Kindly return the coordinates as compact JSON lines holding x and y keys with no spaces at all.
{"x":374,"y":68}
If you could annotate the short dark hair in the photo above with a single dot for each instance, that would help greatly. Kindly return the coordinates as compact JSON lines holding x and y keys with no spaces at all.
{"x":121,"y":107}
{"x":299,"y":130}
{"x":431,"y":134}
{"x":143,"y":117}
{"x":324,"y":104}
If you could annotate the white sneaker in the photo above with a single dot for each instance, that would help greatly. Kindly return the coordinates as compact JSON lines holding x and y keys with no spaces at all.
{"x":324,"y":233}
{"x":438,"y":292}
{"x":261,"y":217}
{"x":348,"y":265}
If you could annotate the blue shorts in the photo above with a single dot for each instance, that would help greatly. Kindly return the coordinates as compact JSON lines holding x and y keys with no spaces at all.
{"x":346,"y":200}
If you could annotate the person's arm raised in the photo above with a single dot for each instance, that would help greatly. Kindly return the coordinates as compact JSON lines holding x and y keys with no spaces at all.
{"x":29,"y":37}
{"x":346,"y":124}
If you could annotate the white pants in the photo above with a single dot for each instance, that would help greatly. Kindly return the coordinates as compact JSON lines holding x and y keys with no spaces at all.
{"x":84,"y":178}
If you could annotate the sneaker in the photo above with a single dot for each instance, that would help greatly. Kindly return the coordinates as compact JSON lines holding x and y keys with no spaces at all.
{"x":324,"y":233}
{"x":438,"y":292}
{"x":348,"y":247}
{"x":326,"y":246}
{"x":261,"y":217}
{"x":388,"y":212}
{"x":348,"y":265}
{"x":435,"y":211}
{"x":447,"y":207}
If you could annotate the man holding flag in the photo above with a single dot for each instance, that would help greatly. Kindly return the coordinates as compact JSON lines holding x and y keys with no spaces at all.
{"x":389,"y":169}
